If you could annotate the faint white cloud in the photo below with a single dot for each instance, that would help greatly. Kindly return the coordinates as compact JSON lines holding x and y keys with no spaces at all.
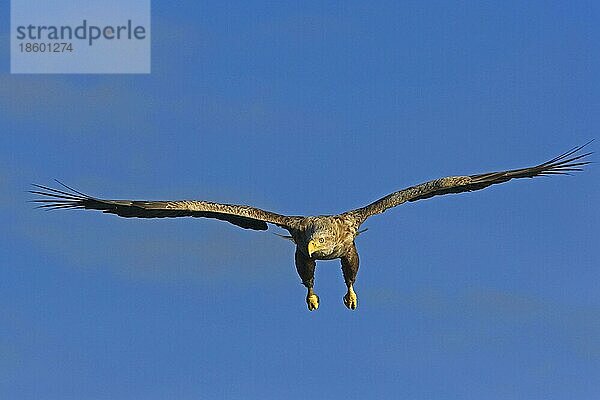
{"x":496,"y":302}
{"x":158,"y":250}
{"x":491,"y":312}
{"x":73,"y":106}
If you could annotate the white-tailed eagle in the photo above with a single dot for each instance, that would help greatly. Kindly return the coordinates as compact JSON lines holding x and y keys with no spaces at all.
{"x":322,"y":237}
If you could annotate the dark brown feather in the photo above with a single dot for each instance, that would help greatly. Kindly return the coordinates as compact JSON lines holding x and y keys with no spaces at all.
{"x":242,"y":216}
{"x":561,"y":165}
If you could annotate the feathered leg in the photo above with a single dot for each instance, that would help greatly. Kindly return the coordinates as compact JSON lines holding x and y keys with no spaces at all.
{"x":350,"y":269}
{"x":306,"y":269}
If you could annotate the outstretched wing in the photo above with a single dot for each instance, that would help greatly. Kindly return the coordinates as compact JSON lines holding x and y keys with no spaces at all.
{"x":244,"y":216}
{"x":572,"y":160}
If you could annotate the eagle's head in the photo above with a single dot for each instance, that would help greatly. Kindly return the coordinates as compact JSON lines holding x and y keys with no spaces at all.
{"x":321,"y":241}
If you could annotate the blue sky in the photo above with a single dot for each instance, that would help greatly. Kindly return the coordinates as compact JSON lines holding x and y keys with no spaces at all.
{"x":309,"y":109}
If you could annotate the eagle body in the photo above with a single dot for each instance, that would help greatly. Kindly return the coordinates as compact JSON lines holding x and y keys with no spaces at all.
{"x":323,"y":237}
{"x":332,"y":235}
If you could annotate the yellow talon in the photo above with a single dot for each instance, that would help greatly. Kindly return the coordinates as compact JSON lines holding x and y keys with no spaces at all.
{"x":313,"y":301}
{"x":350,"y":299}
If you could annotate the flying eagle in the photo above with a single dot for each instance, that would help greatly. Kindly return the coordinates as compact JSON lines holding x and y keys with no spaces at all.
{"x":323,"y":237}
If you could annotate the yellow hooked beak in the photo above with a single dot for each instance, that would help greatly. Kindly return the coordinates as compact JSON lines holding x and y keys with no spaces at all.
{"x":312,"y":247}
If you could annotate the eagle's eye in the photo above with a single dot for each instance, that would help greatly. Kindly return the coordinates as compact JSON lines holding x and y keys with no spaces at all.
{"x":321,"y":240}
